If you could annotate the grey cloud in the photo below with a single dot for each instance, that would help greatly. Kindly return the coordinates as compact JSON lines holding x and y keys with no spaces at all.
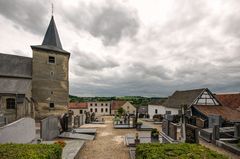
{"x":25,"y":14}
{"x":110,"y":22}
{"x":89,"y":61}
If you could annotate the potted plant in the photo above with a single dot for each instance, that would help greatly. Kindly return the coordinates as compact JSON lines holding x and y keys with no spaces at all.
{"x":154,"y":135}
{"x":138,"y":125}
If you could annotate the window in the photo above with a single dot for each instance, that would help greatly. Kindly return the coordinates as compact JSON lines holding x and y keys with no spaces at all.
{"x":91,"y":110}
{"x":168,"y":112}
{"x":102,"y":110}
{"x":96,"y":110}
{"x":106,"y":104}
{"x":156,"y":111}
{"x":51,"y":92}
{"x":127,"y":107}
{"x":101,"y":104}
{"x":95,"y":104}
{"x":11,"y":103}
{"x":80,"y":112}
{"x":106,"y":110}
{"x":51,"y":73}
{"x":51,"y":105}
{"x":51,"y":59}
{"x":90,"y":104}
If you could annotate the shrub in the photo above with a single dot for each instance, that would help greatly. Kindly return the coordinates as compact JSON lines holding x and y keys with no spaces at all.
{"x":61,"y":143}
{"x":175,"y":151}
{"x":154,"y":132}
{"x":30,"y":151}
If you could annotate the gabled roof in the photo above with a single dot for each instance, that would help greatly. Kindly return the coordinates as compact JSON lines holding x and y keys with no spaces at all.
{"x":226,"y":112}
{"x":76,"y":105}
{"x":157,"y":101}
{"x":117,"y":104}
{"x":230,"y":100}
{"x":180,"y":98}
{"x":15,"y":66}
{"x":51,"y":39}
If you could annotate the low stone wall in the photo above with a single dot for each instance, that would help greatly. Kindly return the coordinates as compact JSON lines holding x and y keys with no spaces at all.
{"x":20,"y":131}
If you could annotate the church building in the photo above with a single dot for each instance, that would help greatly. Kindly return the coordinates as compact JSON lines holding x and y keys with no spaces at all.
{"x":37,"y":86}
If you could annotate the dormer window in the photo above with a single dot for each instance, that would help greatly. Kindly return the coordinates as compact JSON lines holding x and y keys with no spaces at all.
{"x":51,"y":59}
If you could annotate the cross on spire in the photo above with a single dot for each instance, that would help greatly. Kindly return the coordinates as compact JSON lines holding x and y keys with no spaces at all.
{"x":52,"y":9}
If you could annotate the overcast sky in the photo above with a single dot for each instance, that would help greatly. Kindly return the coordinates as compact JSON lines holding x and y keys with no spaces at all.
{"x":133,"y":47}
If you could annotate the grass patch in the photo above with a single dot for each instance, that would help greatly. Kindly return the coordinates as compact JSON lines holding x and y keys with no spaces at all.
{"x":175,"y":151}
{"x":30,"y":151}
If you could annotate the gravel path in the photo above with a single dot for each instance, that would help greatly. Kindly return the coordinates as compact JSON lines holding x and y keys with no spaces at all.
{"x":109,"y":142}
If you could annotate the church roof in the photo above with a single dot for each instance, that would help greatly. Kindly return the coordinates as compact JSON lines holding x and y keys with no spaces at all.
{"x":15,"y":66}
{"x":51,"y":39}
{"x":15,"y":85}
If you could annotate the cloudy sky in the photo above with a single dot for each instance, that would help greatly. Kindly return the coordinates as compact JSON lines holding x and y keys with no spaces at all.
{"x":133,"y":47}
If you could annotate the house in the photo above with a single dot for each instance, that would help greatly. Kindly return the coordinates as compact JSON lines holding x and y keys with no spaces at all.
{"x":156,"y":106}
{"x":39,"y":84}
{"x":127,"y":106}
{"x":231,"y":100}
{"x":202,"y":107}
{"x":78,"y":108}
{"x":142,"y":111}
{"x":99,"y":108}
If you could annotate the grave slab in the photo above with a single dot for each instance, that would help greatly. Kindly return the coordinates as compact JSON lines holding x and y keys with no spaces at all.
{"x":71,"y":135}
{"x":145,"y":128}
{"x":85,"y":131}
{"x":72,"y":149}
{"x":123,"y":126}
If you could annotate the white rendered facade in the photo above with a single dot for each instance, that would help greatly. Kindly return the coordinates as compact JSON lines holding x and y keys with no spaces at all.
{"x":99,"y":108}
{"x":159,"y":109}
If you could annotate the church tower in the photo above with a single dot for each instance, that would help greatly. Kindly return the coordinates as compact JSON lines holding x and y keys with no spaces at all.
{"x":50,"y":81}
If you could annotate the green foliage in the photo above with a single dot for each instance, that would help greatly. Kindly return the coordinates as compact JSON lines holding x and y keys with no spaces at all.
{"x":135,"y":100}
{"x":154,"y":132}
{"x":120,"y":111}
{"x":30,"y":151}
{"x":175,"y":151}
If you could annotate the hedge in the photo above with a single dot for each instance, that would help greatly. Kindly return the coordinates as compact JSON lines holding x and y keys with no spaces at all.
{"x":30,"y":151}
{"x":175,"y":151}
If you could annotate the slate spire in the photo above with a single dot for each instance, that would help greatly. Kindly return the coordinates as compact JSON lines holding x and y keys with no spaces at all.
{"x":51,"y":37}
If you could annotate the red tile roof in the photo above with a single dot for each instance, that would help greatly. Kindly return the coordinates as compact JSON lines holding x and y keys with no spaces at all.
{"x":230,"y":100}
{"x":81,"y":105}
{"x":117,"y":104}
{"x":226,"y":112}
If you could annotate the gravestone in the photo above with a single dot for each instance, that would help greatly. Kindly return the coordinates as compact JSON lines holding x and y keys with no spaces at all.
{"x":64,"y":122}
{"x":76,"y":121}
{"x":215,"y":134}
{"x":49,"y":128}
{"x":172,"y":131}
{"x":237,"y":131}
{"x":214,"y":120}
{"x":191,"y":134}
{"x":165,"y":126}
{"x":134,"y":122}
{"x":88,"y":118}
{"x":70,"y":120}
{"x":200,"y":122}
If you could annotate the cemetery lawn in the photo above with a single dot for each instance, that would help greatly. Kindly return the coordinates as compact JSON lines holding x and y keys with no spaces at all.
{"x":176,"y":151}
